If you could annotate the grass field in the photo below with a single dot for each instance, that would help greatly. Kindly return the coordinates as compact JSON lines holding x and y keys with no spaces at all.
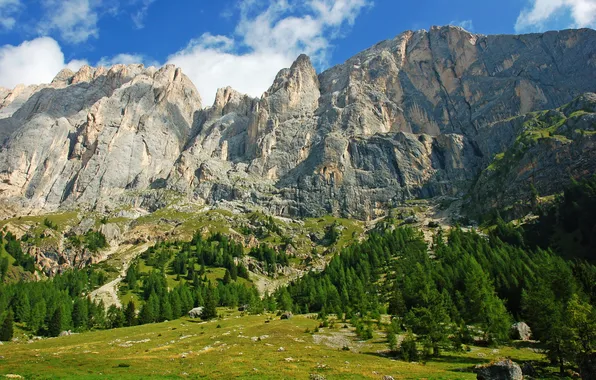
{"x":245,"y":347}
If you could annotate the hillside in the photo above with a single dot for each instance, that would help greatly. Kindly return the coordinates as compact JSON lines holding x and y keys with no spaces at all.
{"x":186,"y":349}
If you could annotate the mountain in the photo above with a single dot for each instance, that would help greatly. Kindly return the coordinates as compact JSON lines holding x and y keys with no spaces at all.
{"x":425,"y":114}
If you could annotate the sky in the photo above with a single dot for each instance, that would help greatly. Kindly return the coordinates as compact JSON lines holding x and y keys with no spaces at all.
{"x":241,"y":43}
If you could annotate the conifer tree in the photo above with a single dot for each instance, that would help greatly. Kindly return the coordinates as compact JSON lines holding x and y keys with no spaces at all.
{"x":227,"y":278}
{"x":115,"y":317}
{"x":7,"y":329}
{"x":55,"y":325}
{"x":209,"y":311}
{"x":80,"y":315}
{"x":130,"y":314}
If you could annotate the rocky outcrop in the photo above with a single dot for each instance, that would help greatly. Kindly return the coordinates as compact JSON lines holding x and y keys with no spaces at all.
{"x":521,"y":331}
{"x":420,"y":115}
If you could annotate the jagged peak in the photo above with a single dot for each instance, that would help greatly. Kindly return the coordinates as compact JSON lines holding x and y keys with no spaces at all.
{"x":63,"y":77}
{"x":303,"y":61}
{"x":448,"y":28}
{"x":227,"y":95}
{"x":300,"y":71}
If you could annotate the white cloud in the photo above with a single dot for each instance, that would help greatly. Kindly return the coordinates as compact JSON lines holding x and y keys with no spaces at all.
{"x":268,"y":37}
{"x":124,"y":59}
{"x":541,"y":12}
{"x":33,"y":62}
{"x":8,"y":11}
{"x":75,"y":20}
{"x":138,"y":18}
{"x":466,"y":24}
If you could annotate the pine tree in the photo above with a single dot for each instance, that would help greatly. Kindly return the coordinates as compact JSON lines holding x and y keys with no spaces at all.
{"x":176,"y":304}
{"x":131,"y":277}
{"x":7,"y":330}
{"x":55,"y":325}
{"x":80,"y":315}
{"x":430,"y":320}
{"x":581,"y":317}
{"x":23,"y":308}
{"x":37,"y":316}
{"x":285,"y":300}
{"x":210,"y":310}
{"x":130,"y":314}
{"x":115,"y":317}
{"x":227,"y":278}
{"x":3,"y":266}
{"x":165,"y":309}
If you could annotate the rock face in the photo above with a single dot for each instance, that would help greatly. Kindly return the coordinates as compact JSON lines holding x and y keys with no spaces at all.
{"x":94,"y":134}
{"x":502,"y":370}
{"x":419,"y":115}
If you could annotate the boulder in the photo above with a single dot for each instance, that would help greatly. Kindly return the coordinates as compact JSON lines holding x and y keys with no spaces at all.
{"x":502,"y":370}
{"x":521,"y":331}
{"x":287,"y":315}
{"x":196,"y":312}
{"x":243,"y":308}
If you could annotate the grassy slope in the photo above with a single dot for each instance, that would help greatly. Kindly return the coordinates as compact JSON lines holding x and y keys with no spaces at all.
{"x":194,"y":349}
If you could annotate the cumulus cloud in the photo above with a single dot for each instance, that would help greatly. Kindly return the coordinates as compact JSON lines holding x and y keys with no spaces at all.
{"x":33,"y":62}
{"x":542,"y":13}
{"x":270,"y":34}
{"x":8,"y":11}
{"x":75,"y":20}
{"x":138,"y":17}
{"x":124,"y":59}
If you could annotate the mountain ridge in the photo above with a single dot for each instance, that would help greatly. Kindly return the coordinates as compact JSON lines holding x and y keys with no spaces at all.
{"x":410,"y":117}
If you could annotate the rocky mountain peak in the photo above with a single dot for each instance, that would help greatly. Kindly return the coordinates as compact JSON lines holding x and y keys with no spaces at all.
{"x":227,"y":98}
{"x":63,"y":78}
{"x":295,"y":89}
{"x":419,"y":115}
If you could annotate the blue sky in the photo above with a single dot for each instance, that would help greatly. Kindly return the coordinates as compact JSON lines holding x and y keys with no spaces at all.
{"x":242,"y":43}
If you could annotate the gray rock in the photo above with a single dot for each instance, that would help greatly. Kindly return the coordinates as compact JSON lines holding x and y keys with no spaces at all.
{"x":196,"y":312}
{"x":521,"y":331}
{"x":501,"y":370}
{"x":287,"y":315}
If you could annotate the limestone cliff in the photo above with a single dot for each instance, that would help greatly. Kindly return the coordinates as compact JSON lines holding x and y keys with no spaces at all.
{"x":420,"y":115}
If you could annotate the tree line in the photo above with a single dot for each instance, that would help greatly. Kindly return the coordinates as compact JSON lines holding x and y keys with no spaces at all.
{"x":49,"y":307}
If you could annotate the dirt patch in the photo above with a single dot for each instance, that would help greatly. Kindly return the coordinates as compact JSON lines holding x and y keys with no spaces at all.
{"x":108,"y":293}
